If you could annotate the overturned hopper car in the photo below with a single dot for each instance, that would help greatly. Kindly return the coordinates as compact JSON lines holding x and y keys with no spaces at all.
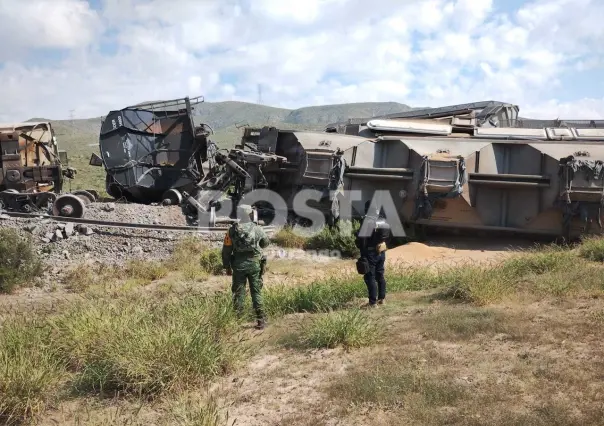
{"x":152,"y":151}
{"x":471,"y":167}
{"x":481,"y":167}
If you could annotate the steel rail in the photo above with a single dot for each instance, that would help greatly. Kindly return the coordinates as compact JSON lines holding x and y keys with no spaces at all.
{"x":110,"y":224}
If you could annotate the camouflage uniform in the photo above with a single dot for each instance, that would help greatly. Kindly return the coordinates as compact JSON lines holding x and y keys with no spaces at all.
{"x":244,"y":260}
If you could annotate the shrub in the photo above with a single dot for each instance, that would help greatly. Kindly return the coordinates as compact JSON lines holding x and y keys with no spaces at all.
{"x":339,"y":238}
{"x":211,"y":261}
{"x":145,"y":270}
{"x":19,"y":262}
{"x":351,"y":329}
{"x":592,"y":249}
{"x":287,"y":238}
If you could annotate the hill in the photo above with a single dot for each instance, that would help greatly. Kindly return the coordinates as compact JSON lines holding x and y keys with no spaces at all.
{"x":80,"y":137}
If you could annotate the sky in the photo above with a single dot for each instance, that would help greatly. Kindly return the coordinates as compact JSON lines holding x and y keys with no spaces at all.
{"x":83,"y":58}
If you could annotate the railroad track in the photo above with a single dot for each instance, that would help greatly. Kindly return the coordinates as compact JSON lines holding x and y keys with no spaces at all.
{"x":124,"y":225}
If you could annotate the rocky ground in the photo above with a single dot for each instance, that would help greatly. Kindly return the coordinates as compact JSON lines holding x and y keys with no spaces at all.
{"x":62,"y":245}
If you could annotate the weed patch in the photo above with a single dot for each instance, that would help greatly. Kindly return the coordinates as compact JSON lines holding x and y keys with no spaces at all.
{"x":29,"y":371}
{"x":320,"y":296}
{"x":350,"y":329}
{"x":592,"y":249}
{"x":339,"y":238}
{"x":18,"y":261}
{"x":462,"y":323}
{"x":195,"y":260}
{"x":186,"y":249}
{"x":145,"y":270}
{"x":287,"y":238}
{"x":134,"y":273}
{"x":211,"y":261}
{"x":388,"y":384}
{"x":146,"y":348}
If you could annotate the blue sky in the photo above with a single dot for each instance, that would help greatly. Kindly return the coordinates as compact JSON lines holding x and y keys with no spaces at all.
{"x":96,"y":55}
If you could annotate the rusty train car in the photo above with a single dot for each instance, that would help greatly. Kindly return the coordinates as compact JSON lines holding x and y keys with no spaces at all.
{"x":33,"y":171}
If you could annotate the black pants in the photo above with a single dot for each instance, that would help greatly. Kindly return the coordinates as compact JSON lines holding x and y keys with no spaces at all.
{"x":376,"y":283}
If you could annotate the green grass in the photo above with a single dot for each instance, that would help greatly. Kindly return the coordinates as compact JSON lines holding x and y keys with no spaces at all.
{"x":19,"y":263}
{"x":29,"y":370}
{"x":350,"y":329}
{"x":592,"y":249}
{"x":148,"y":347}
{"x":340,"y":238}
{"x":132,"y":346}
{"x":320,"y":296}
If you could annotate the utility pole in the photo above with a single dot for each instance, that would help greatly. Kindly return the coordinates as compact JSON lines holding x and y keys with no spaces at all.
{"x":71,"y":111}
{"x":259,"y":94}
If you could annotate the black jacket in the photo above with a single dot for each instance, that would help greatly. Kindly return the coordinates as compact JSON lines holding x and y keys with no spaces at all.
{"x":380,"y":233}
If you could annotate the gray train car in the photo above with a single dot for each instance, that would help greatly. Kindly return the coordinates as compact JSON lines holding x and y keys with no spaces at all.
{"x":468,"y":167}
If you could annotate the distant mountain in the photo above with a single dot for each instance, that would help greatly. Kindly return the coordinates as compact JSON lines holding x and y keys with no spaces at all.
{"x":226,"y":117}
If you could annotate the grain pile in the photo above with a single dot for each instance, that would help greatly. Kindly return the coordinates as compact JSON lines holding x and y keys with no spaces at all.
{"x":453,"y":251}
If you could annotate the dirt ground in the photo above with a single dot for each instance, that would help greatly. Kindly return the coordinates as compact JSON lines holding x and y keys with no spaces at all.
{"x":540,"y":355}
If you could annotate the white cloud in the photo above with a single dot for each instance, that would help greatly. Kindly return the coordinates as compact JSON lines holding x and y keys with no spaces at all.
{"x":429,"y":52}
{"x":27,"y":24}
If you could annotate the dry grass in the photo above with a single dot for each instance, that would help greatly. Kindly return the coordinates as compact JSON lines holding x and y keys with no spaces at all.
{"x":287,"y":238}
{"x":455,"y":323}
{"x":473,"y":374}
{"x":186,"y":409}
{"x":134,"y":273}
{"x":392,"y":384}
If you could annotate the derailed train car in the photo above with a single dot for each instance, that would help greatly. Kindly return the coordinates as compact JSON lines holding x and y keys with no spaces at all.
{"x":481,"y":167}
{"x":472,"y":167}
{"x":152,"y":151}
{"x":33,"y":171}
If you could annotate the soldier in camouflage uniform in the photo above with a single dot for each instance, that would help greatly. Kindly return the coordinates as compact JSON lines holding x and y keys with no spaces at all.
{"x":242,"y":258}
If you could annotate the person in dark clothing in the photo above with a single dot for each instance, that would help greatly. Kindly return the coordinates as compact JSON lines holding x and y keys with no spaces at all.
{"x":373,"y":248}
